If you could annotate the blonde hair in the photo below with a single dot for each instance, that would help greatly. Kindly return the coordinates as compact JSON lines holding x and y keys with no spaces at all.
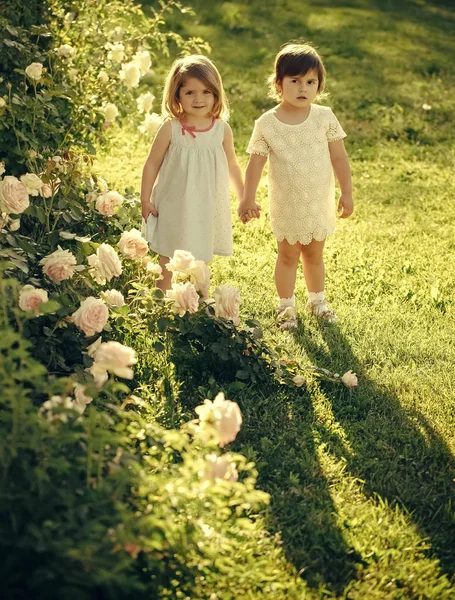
{"x":296,"y":58}
{"x":199,"y":67}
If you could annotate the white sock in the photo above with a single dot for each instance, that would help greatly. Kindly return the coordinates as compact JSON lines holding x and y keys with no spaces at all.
{"x":286,"y":302}
{"x":316,"y":297}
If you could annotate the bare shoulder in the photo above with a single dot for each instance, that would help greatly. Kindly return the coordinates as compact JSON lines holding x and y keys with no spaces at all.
{"x":165,"y":131}
{"x":228,"y":135}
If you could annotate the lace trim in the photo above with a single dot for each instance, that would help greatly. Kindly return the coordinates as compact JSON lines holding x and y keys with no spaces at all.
{"x":251,"y":151}
{"x":302,"y":239}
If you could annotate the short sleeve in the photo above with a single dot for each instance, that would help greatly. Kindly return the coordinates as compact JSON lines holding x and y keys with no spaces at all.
{"x":334,"y":130}
{"x":258,"y":143}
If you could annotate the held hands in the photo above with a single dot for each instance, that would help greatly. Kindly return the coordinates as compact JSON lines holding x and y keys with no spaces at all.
{"x":345,"y":206}
{"x":248,"y":211}
{"x":147,"y":209}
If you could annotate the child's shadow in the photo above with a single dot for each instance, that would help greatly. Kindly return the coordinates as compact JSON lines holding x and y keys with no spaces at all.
{"x":398,"y":454}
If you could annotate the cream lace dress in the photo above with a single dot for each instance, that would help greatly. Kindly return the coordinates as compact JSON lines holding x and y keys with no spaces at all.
{"x":192,"y":195}
{"x":301,"y":181}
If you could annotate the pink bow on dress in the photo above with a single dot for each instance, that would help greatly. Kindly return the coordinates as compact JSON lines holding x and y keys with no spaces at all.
{"x":190,"y":128}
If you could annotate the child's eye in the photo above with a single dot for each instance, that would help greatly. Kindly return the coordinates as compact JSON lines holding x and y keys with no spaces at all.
{"x":207,"y":92}
{"x":294,"y":80}
{"x":188,"y":93}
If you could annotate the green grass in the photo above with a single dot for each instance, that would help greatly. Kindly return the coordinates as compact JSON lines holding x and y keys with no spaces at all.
{"x":362,"y":482}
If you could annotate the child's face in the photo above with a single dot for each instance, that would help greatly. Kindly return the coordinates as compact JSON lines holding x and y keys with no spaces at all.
{"x":300,"y":91}
{"x":195,"y":98}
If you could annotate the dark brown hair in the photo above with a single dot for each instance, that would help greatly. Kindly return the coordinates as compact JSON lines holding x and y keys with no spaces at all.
{"x":296,"y":59}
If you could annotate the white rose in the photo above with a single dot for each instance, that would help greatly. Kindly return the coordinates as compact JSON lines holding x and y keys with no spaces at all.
{"x":130,"y":74}
{"x":59,"y":265}
{"x":30,"y":298}
{"x":14,"y":224}
{"x":227,"y":303}
{"x":32,"y":182}
{"x":113,"y":298}
{"x":103,"y":77}
{"x":46,"y":190}
{"x":57,"y":406}
{"x":184,"y":298}
{"x":91,"y":350}
{"x":34,"y":71}
{"x":105,"y":264}
{"x":299,"y":380}
{"x":219,"y":467}
{"x":116,"y":358}
{"x":143,"y":60}
{"x":106,"y":204}
{"x":223,"y":416}
{"x":155,"y":270}
{"x":66,"y":51}
{"x":199,"y":276}
{"x":2,"y":168}
{"x":151,"y":124}
{"x":116,"y":52}
{"x":13,"y":196}
{"x":91,"y":316}
{"x":132,"y":244}
{"x":349,"y":379}
{"x":2,"y":102}
{"x":180,"y":262}
{"x":73,"y":73}
{"x":145,"y":102}
{"x":110,"y":112}
{"x":81,"y":399}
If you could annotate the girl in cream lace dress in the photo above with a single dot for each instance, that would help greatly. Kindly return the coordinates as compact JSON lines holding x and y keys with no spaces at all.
{"x":303,"y":142}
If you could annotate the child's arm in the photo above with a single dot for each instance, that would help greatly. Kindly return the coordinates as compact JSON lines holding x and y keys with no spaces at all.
{"x":152,"y":168}
{"x":249,"y":208}
{"x":340,"y":164}
{"x":235,"y":172}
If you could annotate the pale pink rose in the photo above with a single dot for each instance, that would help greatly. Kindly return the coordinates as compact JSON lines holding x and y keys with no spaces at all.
{"x":200,"y":277}
{"x":91,"y":350}
{"x":30,"y":298}
{"x":116,"y":358}
{"x":180,"y":262}
{"x":91,"y":316}
{"x":105,"y":264}
{"x":80,"y":398}
{"x":132,"y":244}
{"x":46,"y":190}
{"x":106,"y":204}
{"x":13,"y":196}
{"x":155,"y":270}
{"x":184,"y":298}
{"x":227,"y":303}
{"x":113,"y":298}
{"x":349,"y":379}
{"x":219,"y":467}
{"x":32,"y":182}
{"x":223,"y":416}
{"x":299,"y":380}
{"x":100,"y":375}
{"x":59,"y":265}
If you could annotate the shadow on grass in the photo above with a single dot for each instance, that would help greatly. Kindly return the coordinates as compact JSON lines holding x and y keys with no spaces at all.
{"x":397,"y":453}
{"x":278,"y":434}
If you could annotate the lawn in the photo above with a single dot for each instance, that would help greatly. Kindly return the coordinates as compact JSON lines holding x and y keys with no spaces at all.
{"x":362,"y":481}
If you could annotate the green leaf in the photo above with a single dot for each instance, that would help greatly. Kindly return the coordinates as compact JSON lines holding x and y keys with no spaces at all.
{"x":242,"y":374}
{"x":158,"y":347}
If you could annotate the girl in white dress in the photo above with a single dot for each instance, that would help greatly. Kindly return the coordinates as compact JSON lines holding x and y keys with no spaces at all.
{"x":188,"y":207}
{"x":304,"y":144}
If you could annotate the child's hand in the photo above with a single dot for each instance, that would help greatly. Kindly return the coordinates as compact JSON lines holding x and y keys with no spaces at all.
{"x":345,"y":206}
{"x":248,"y":211}
{"x":147,"y":209}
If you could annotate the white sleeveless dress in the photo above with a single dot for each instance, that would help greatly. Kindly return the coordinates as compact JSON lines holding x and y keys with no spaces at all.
{"x":192,"y":195}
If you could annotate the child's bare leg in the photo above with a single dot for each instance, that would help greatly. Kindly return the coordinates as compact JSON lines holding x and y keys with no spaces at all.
{"x":165,"y":283}
{"x":313,"y":265}
{"x":286,"y":268}
{"x":314,"y":272}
